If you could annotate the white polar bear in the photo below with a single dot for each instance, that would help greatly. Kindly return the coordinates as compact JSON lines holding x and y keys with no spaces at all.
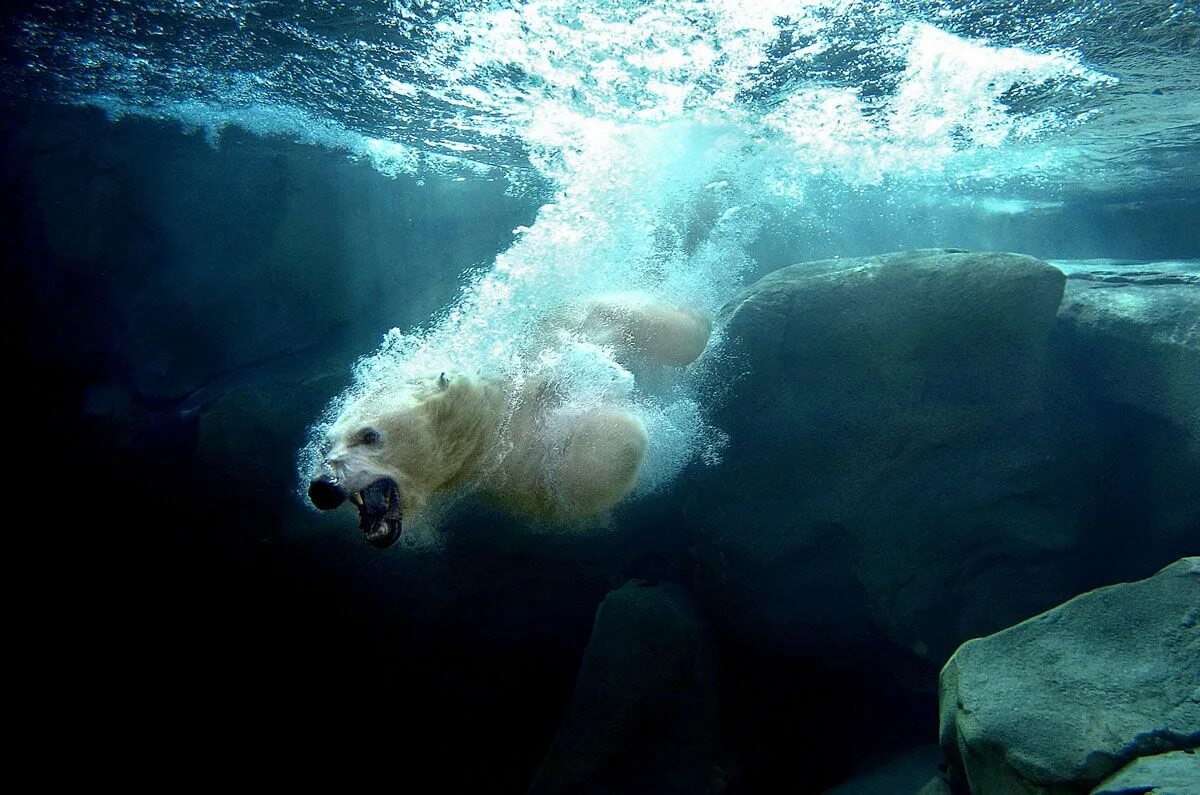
{"x":392,"y":450}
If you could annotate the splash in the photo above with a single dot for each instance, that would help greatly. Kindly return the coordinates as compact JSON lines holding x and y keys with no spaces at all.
{"x":948,"y":111}
{"x":649,"y":120}
{"x":211,"y":120}
{"x":905,"y":84}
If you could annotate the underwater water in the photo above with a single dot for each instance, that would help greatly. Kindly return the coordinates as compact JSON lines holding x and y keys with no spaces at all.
{"x":231,"y":222}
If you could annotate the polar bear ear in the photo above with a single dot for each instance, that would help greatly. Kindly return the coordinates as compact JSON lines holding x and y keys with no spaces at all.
{"x":443,"y":382}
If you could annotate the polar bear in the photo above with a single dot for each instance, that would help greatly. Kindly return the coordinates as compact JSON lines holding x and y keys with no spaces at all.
{"x":392,"y":450}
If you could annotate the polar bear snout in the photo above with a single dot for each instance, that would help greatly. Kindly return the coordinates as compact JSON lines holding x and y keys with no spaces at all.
{"x":375,"y":495}
{"x":325,"y":493}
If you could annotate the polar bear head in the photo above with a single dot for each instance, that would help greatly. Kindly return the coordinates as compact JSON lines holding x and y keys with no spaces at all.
{"x":390,"y":450}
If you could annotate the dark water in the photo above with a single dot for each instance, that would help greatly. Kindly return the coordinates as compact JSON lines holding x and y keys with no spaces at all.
{"x":212,"y":210}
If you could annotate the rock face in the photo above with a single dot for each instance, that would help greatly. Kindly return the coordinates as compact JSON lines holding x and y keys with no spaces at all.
{"x":930,"y":446}
{"x":1059,"y":702}
{"x":1128,"y":338}
{"x":182,"y":263}
{"x":891,"y":444}
{"x":643,"y":717}
{"x":1174,"y":773}
{"x":1134,"y":333}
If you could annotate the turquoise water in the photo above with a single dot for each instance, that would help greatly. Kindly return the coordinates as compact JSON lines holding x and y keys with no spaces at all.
{"x":1009,"y":97}
{"x":666,"y":135}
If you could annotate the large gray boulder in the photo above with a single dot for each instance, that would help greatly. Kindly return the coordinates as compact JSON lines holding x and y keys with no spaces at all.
{"x":1128,"y":340}
{"x":894,"y":462}
{"x":1059,"y":702}
{"x":643,"y":717}
{"x":1173,"y":773}
{"x":1134,"y":331}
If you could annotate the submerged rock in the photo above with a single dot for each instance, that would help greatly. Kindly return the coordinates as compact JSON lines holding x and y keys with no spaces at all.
{"x":1128,"y":339}
{"x":643,"y":717}
{"x":1057,"y":703}
{"x":1134,"y":333}
{"x":894,"y":466}
{"x":1174,"y":773}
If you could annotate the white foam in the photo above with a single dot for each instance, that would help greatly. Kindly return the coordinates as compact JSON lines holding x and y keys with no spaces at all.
{"x":211,"y":120}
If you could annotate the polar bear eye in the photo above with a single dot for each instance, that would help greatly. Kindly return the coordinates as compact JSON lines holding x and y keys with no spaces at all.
{"x":367,"y":436}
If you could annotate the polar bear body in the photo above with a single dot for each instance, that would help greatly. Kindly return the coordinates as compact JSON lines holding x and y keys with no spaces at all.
{"x":392,"y":450}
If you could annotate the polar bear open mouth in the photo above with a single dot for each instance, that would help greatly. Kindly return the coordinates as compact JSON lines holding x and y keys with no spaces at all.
{"x":379,"y":514}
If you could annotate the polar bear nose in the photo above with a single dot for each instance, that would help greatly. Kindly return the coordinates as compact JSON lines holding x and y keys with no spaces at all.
{"x":325,"y":493}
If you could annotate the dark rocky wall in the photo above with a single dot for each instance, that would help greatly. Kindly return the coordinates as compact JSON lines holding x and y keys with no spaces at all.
{"x":202,"y":262}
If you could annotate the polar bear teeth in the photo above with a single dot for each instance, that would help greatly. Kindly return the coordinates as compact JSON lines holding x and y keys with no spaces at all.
{"x":381,"y":529}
